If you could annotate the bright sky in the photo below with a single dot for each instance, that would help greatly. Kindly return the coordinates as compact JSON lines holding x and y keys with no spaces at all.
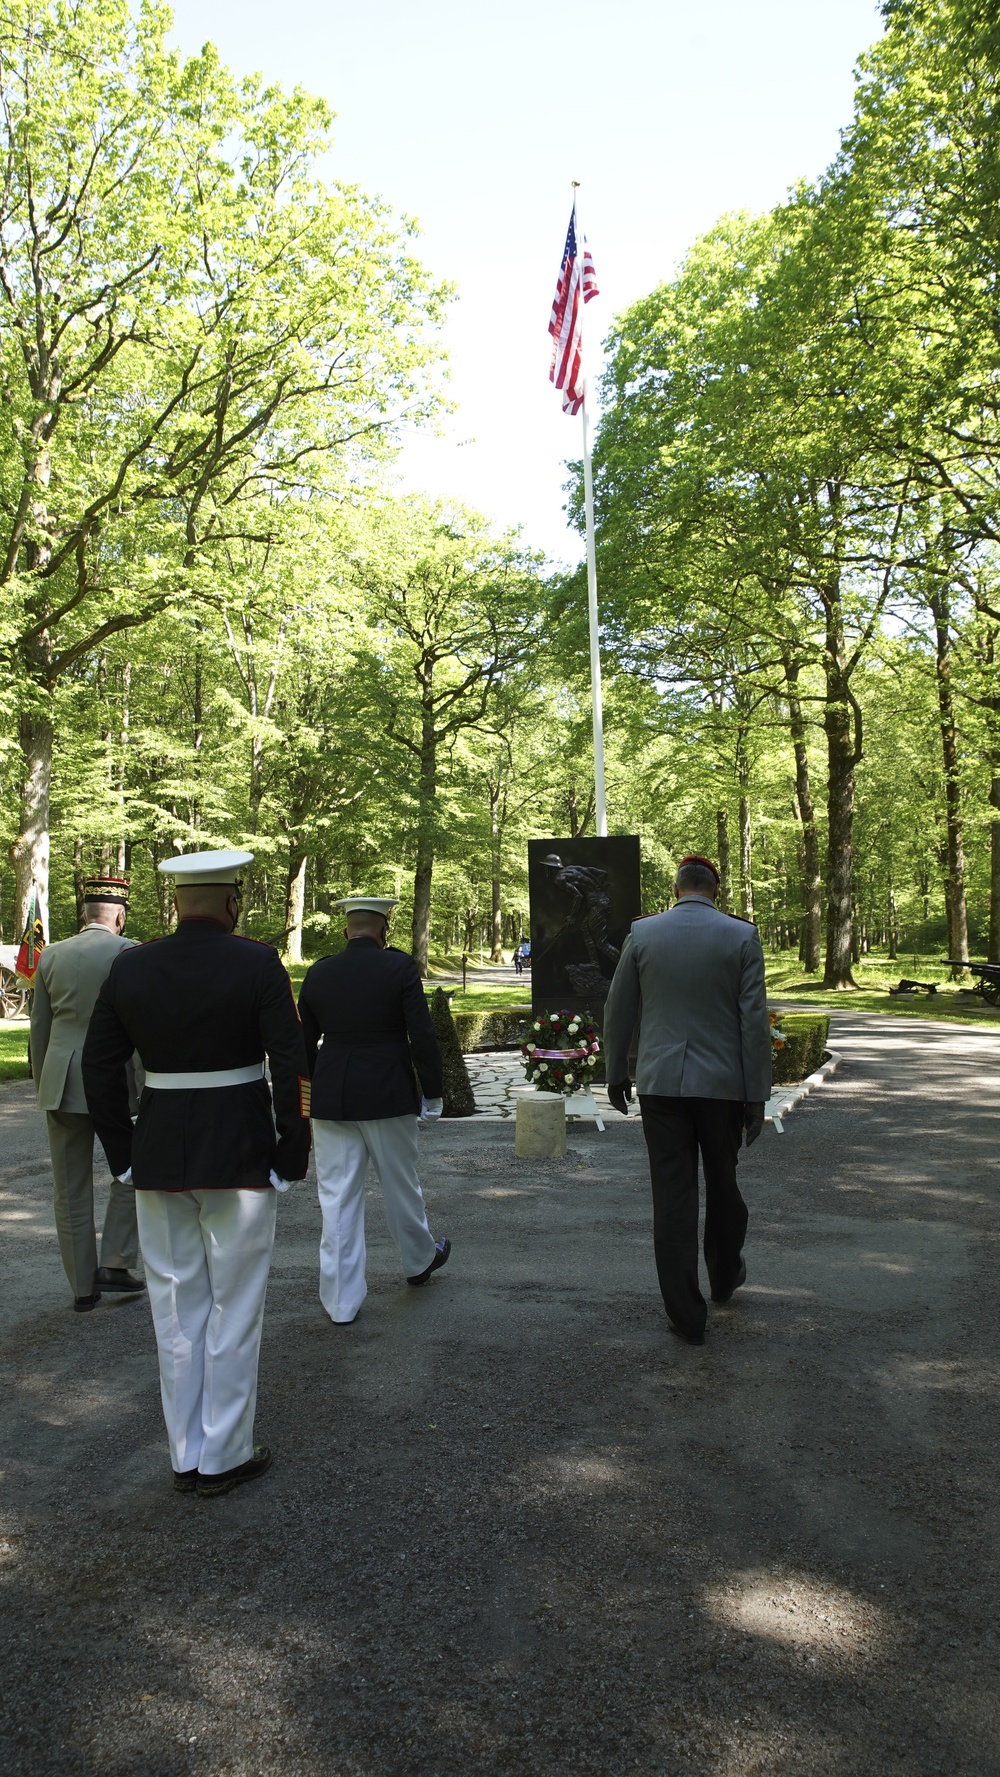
{"x":476,"y":118}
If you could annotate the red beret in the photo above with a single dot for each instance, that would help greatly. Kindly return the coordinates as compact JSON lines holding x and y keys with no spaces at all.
{"x":706,"y":863}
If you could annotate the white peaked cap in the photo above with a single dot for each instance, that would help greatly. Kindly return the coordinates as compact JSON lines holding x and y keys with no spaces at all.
{"x":198,"y":867}
{"x":367,"y":904}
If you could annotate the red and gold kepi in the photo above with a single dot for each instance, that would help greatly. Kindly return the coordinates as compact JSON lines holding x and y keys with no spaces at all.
{"x":108,"y":889}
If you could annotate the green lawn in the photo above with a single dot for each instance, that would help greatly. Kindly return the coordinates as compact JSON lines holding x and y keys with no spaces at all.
{"x":493,"y":997}
{"x":785,"y":982}
{"x":875,"y":975}
{"x":13,"y":1051}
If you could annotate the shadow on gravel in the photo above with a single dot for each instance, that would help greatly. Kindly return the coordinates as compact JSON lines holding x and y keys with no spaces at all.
{"x":512,"y":1527}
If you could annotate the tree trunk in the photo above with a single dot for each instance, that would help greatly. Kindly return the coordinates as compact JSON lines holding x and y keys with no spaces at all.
{"x":295,"y":906}
{"x":842,"y":723}
{"x":746,"y":838}
{"x":994,"y":952}
{"x":746,"y":860}
{"x":122,"y":857}
{"x":958,"y":919}
{"x":29,"y":853}
{"x":812,"y":874}
{"x":579,"y":820}
{"x":840,"y":750}
{"x":725,"y":873}
{"x":893,"y":924}
{"x":496,"y":924}
{"x":78,"y":880}
{"x":424,"y":869}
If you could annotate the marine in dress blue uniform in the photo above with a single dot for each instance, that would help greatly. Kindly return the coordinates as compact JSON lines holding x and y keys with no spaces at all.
{"x":369,"y":1038}
{"x":203,"y":1008}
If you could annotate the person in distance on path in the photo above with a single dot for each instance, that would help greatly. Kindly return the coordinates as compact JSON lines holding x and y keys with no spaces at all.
{"x":368,"y":1029}
{"x":204,"y":1008}
{"x":69,"y":977}
{"x":693,"y":979}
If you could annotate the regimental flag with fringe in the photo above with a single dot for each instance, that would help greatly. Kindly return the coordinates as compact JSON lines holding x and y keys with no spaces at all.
{"x":32,"y":942}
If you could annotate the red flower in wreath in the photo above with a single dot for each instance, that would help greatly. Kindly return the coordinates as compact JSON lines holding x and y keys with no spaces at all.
{"x":560,"y":1051}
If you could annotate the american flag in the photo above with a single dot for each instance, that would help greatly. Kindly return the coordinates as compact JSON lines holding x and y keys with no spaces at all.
{"x":565,"y":322}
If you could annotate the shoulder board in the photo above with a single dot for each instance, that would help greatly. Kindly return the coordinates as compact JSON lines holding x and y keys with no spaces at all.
{"x":743,"y":921}
{"x":261,"y":943}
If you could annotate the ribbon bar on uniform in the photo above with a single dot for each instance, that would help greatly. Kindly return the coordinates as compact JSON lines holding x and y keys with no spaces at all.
{"x":200,"y":1082}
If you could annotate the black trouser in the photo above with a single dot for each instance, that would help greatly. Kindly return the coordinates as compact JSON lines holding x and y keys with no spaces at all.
{"x":675,"y":1129}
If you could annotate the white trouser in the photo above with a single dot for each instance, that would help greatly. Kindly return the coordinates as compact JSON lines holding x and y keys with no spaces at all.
{"x":343,"y":1151}
{"x":207,"y":1256}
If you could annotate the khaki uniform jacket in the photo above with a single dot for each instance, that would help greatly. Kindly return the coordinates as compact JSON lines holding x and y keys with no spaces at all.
{"x":69,"y":978}
{"x":693,"y":980}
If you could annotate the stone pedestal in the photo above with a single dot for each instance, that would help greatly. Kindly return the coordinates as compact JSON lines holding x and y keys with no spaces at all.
{"x":540,"y":1130}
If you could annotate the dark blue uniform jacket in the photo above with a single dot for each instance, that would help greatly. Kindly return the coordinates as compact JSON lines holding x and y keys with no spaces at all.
{"x":369,"y":1007}
{"x":199,"y":1001}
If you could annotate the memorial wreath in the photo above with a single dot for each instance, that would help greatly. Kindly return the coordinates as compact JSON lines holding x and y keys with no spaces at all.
{"x":561,"y":1051}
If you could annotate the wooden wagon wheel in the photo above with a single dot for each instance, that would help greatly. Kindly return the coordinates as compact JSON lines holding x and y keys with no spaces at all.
{"x":990,"y":991}
{"x":13,"y":995}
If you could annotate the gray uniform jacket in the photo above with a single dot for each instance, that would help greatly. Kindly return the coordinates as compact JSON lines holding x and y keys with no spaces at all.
{"x":69,"y":978}
{"x":693,"y":980}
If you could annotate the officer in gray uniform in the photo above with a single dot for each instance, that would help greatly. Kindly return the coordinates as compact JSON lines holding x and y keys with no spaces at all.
{"x":70,"y":976}
{"x":693,"y":980}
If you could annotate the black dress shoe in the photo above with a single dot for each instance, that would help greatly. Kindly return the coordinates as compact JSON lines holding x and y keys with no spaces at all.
{"x":83,"y":1304}
{"x":741,"y":1277}
{"x":185,"y":1480}
{"x":209,"y":1486}
{"x":442,"y":1248}
{"x":688,"y":1338}
{"x":116,"y":1279}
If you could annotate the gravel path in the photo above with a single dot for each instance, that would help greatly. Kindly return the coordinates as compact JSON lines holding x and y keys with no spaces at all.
{"x":513,"y":1526}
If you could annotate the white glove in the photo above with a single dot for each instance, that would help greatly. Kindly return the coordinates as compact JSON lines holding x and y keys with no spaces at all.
{"x":431,"y":1109}
{"x":124,"y":1177}
{"x":280,"y":1184}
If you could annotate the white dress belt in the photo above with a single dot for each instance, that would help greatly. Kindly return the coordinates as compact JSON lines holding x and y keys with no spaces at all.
{"x":197,"y":1082}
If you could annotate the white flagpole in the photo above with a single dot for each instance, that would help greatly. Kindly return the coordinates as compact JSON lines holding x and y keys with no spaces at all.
{"x":595,"y":645}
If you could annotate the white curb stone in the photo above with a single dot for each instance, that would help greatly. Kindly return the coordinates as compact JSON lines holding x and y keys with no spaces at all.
{"x":787,"y":1097}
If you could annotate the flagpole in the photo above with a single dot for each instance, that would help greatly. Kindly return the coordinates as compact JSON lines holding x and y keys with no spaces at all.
{"x":600,"y":800}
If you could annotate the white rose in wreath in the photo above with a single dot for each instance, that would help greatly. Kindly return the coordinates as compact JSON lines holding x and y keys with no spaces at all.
{"x":592,"y":1061}
{"x":543,"y":1067}
{"x":531,"y":1047}
{"x":569,"y":1079}
{"x":554,"y":1019}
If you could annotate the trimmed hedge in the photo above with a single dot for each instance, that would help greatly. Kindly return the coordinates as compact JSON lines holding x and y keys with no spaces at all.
{"x":491,"y":1030}
{"x":457,"y":1091}
{"x":805,"y":1034}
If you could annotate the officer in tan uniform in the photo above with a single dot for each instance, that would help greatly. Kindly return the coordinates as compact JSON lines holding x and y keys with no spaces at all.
{"x":70,"y":976}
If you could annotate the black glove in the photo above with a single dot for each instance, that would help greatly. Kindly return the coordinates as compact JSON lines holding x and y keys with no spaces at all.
{"x":620,"y":1095}
{"x":753,"y":1121}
